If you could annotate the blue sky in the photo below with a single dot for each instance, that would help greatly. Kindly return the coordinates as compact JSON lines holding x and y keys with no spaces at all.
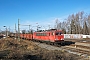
{"x":43,"y":12}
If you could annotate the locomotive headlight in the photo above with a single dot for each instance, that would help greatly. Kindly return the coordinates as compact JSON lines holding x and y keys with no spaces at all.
{"x":62,"y":34}
{"x":62,"y":39}
{"x":56,"y":39}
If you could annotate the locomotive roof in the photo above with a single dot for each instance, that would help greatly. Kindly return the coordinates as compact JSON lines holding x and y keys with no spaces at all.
{"x":48,"y":30}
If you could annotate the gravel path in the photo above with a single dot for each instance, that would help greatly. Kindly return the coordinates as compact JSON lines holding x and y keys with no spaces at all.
{"x":64,"y":48}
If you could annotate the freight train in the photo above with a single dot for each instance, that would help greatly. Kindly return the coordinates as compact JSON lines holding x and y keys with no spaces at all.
{"x":53,"y":36}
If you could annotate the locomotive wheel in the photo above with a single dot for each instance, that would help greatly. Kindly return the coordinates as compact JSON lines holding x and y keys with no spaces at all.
{"x":63,"y":43}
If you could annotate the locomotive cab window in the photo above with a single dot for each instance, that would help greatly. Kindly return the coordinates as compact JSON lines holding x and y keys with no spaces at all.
{"x":52,"y":33}
{"x":58,"y":33}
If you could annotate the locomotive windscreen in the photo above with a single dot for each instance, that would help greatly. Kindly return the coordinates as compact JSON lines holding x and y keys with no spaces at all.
{"x":58,"y":33}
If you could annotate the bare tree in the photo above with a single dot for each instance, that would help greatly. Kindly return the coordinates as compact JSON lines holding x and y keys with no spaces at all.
{"x":89,"y":23}
{"x":85,"y":28}
{"x":57,"y":24}
{"x":73,"y":28}
{"x":68,"y":30}
{"x":78,"y":23}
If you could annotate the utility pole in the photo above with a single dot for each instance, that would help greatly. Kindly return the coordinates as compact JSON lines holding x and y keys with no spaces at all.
{"x":29,"y":28}
{"x":18,"y":31}
{"x":37,"y":27}
{"x":15,"y":31}
{"x":9,"y":31}
{"x":49,"y":27}
{"x":6,"y":32}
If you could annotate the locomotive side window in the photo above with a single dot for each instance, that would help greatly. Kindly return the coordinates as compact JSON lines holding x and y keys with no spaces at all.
{"x":37,"y":34}
{"x":41,"y":34}
{"x":44,"y":34}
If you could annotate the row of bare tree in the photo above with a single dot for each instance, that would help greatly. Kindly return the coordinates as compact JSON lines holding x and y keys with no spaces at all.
{"x":78,"y":23}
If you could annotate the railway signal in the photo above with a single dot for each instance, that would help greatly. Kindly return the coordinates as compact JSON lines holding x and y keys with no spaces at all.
{"x":6,"y":31}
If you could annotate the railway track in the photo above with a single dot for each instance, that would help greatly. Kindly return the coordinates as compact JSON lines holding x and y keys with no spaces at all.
{"x":78,"y":49}
{"x":79,"y":40}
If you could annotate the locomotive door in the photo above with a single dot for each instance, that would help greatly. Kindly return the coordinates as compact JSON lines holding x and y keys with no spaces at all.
{"x":51,"y":36}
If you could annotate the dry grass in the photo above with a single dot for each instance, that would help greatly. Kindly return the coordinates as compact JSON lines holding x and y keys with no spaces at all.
{"x":22,"y":50}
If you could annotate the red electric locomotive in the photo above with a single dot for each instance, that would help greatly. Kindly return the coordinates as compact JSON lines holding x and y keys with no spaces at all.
{"x":54,"y":36}
{"x":51,"y":36}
